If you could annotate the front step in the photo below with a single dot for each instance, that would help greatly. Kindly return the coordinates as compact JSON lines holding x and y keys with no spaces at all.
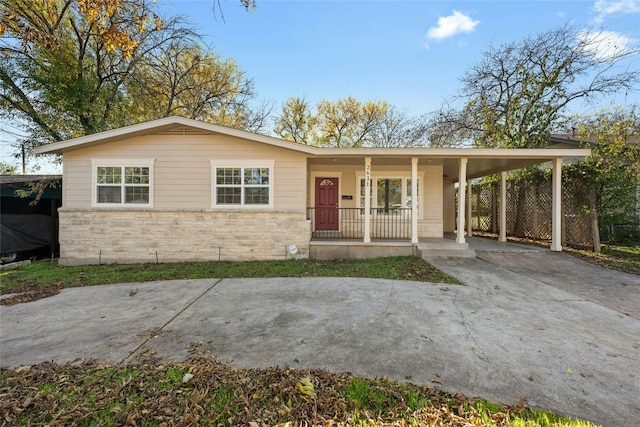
{"x":440,"y":248}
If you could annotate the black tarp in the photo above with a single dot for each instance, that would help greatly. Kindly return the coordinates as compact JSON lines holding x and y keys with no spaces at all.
{"x":25,"y":232}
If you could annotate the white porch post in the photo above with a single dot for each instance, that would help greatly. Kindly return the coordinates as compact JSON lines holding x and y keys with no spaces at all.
{"x":367,"y":199}
{"x":556,"y":209}
{"x":503,"y":207}
{"x":414,"y":200}
{"x":469,"y":213}
{"x":462,"y":179}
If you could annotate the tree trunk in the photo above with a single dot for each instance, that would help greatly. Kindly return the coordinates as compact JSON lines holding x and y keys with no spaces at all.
{"x":494,"y":208}
{"x":520,"y":226}
{"x":593,"y":216}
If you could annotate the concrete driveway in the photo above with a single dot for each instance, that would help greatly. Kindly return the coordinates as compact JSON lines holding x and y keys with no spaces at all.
{"x":543,"y":326}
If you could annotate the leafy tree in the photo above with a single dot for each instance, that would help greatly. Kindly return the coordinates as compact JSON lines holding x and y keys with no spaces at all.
{"x":75,"y":67}
{"x":519,"y":92}
{"x":297,"y":122}
{"x":349,"y":123}
{"x":7,"y":169}
{"x":182,"y":78}
{"x":611,"y":175}
{"x":65,"y":64}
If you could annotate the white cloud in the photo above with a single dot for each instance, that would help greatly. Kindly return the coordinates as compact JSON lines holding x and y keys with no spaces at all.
{"x":605,"y":8}
{"x":449,"y":26}
{"x":604,"y":45}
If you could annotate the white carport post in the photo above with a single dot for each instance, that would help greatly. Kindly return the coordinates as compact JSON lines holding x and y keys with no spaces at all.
{"x":469,"y":213}
{"x":367,"y":199}
{"x":556,"y":207}
{"x":503,"y":207}
{"x":462,"y":179}
{"x":414,"y":200}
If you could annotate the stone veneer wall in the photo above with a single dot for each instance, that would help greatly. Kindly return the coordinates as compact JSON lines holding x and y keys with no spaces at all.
{"x":127,"y":236}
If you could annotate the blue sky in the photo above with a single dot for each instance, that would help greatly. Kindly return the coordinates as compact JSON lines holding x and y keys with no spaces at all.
{"x":409,"y":53}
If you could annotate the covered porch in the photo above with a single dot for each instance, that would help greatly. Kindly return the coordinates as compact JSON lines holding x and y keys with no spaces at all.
{"x":359,"y":199}
{"x":425,"y":248}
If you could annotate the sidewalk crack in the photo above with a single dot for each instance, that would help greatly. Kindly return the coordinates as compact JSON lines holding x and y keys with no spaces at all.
{"x":477,"y":349}
{"x":175,"y":316}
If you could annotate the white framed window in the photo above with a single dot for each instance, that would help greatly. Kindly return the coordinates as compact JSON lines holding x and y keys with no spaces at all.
{"x":242,"y":184}
{"x":122,"y":182}
{"x":388,"y":194}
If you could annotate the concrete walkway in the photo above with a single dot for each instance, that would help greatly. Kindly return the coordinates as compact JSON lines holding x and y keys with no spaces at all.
{"x":511,"y":332}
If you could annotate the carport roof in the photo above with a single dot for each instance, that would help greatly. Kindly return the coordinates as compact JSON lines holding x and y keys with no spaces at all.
{"x":481,"y":161}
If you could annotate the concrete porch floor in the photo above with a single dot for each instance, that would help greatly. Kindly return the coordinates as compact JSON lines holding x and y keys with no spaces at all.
{"x":426,"y":248}
{"x":478,"y":243}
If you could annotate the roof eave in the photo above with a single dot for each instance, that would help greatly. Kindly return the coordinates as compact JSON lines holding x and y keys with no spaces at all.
{"x":159,"y":125}
{"x":507,"y":153}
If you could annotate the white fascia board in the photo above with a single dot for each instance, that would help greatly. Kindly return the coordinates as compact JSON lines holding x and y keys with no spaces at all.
{"x":504,"y":153}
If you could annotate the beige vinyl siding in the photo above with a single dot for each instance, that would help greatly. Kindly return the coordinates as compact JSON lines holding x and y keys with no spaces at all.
{"x":76,"y":181}
{"x":182,"y":174}
{"x":449,"y":208}
{"x":349,"y":185}
{"x":431,"y":223}
{"x":431,"y":191}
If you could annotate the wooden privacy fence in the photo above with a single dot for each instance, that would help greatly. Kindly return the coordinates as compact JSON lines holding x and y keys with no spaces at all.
{"x":529,"y":206}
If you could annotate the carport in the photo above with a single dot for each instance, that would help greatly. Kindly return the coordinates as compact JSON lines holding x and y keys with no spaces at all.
{"x":447,"y":169}
{"x":26,"y":224}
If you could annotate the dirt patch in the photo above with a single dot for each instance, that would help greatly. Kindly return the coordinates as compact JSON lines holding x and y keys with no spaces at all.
{"x":28,"y":294}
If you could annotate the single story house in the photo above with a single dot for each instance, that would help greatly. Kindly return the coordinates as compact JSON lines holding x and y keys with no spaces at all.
{"x":176,"y":189}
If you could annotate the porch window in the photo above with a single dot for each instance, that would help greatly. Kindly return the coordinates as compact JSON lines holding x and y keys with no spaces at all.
{"x":388,"y":194}
{"x":243,"y":186}
{"x":122,"y":184}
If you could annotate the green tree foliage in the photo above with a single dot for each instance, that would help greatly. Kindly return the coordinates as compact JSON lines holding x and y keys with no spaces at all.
{"x":182,"y":78}
{"x":297,"y":122}
{"x":64,"y":63}
{"x":349,"y":123}
{"x":612,"y":173}
{"x":7,"y":169}
{"x":519,"y":92}
{"x":75,"y":67}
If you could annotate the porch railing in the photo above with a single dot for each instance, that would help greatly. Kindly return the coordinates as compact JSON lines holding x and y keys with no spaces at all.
{"x":348,"y":223}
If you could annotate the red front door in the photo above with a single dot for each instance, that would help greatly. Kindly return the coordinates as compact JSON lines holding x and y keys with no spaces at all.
{"x":326,"y":203}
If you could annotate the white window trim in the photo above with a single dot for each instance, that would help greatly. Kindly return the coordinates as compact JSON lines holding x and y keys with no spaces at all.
{"x":121,"y":162}
{"x":390,"y":175}
{"x":242,"y":163}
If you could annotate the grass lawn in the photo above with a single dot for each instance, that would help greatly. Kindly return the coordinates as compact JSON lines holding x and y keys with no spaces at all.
{"x":615,"y":257}
{"x":41,"y":279}
{"x":621,"y":258}
{"x":205,"y":392}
